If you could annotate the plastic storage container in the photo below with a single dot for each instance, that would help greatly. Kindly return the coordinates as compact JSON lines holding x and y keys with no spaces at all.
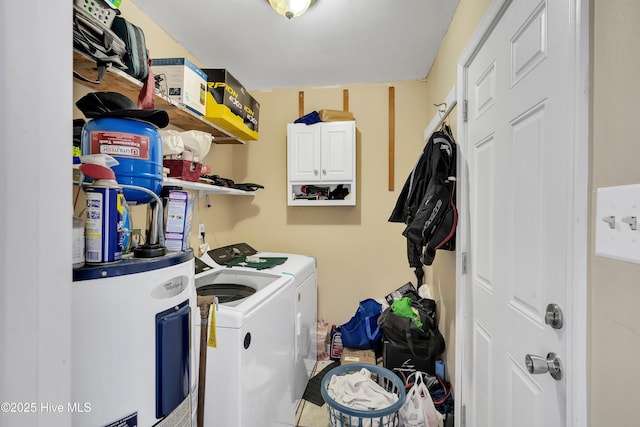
{"x":136,"y":145}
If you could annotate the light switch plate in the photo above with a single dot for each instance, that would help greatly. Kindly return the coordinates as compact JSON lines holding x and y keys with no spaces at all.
{"x":620,"y":241}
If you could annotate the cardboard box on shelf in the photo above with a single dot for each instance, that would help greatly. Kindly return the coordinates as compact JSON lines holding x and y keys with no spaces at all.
{"x":251,"y":112}
{"x":222,"y":116}
{"x":179,"y":219}
{"x":186,"y":170}
{"x":182,"y":82}
{"x":226,"y":90}
{"x":351,"y":355}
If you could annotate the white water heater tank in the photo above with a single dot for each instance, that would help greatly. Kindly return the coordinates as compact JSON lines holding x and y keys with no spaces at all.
{"x":133,"y":357}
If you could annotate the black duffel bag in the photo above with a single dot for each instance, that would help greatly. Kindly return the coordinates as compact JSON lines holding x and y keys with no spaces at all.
{"x":406,"y":336}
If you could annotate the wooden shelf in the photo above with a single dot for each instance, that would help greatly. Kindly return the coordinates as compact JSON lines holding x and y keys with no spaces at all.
{"x":116,"y":80}
{"x":203,"y":189}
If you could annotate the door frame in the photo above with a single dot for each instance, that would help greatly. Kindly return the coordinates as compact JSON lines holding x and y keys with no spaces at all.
{"x":577,"y":345}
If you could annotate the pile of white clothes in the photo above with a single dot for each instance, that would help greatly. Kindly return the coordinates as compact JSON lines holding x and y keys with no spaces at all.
{"x":357,"y":390}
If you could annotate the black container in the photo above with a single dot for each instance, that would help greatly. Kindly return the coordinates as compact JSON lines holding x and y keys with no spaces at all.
{"x":404,"y":364}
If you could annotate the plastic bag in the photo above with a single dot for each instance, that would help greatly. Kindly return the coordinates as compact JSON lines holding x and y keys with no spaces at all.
{"x":198,"y":143}
{"x":418,"y":409}
{"x":195,"y":141}
{"x":172,"y":142}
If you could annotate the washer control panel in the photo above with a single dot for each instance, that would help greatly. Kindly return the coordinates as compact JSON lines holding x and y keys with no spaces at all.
{"x":226,"y":254}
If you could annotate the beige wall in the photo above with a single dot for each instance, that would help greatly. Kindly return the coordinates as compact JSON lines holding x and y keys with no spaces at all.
{"x":615,"y":285}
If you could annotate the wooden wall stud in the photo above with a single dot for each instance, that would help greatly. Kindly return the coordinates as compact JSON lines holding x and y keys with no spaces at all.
{"x":392,"y":136}
{"x":301,"y":103}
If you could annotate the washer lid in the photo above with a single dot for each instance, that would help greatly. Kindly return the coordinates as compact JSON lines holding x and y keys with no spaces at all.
{"x":201,"y":266}
{"x":227,"y":254}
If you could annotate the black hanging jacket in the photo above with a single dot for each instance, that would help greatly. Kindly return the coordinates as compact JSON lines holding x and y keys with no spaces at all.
{"x":427,"y":202}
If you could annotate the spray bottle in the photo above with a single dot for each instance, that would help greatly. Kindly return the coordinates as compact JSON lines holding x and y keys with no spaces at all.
{"x":105,"y":214}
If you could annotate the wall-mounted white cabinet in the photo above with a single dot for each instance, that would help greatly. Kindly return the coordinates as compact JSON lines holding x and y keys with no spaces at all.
{"x":321,"y":164}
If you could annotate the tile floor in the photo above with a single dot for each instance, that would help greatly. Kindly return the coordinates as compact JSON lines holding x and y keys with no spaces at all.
{"x":310,"y":414}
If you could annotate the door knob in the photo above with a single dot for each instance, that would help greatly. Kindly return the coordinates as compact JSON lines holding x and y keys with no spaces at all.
{"x":553,"y":316}
{"x":540,"y":365}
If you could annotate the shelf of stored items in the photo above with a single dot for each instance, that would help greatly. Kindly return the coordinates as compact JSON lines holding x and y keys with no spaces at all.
{"x":116,"y":80}
{"x":203,"y":189}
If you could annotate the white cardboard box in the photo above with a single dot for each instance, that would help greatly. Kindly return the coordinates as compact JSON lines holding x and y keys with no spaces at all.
{"x":179,"y":219}
{"x":182,"y":81}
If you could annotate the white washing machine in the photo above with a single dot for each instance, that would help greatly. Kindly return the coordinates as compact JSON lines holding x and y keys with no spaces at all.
{"x":260,"y":350}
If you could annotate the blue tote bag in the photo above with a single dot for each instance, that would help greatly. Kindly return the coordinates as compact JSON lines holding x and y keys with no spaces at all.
{"x":362,"y":331}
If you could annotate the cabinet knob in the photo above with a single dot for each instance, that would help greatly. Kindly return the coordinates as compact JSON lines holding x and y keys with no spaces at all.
{"x":324,"y":171}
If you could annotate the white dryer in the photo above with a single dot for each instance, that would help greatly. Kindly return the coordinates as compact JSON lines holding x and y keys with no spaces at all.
{"x":260,"y":349}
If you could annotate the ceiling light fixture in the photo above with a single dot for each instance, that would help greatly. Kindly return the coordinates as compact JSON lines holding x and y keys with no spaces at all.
{"x":290,"y":8}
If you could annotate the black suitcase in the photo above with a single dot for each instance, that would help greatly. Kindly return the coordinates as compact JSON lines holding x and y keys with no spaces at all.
{"x":136,"y":56}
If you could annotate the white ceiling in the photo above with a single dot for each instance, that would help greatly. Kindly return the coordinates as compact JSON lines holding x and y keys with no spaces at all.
{"x":336,"y":42}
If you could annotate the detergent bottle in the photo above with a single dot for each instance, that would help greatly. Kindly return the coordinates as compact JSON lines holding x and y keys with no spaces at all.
{"x":336,"y":343}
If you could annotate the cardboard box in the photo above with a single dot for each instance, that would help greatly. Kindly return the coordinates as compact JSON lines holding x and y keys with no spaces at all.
{"x":251,"y":112}
{"x":230,"y":106}
{"x":179,"y":220}
{"x":182,"y":81}
{"x":226,"y":90}
{"x":335,"y":115}
{"x":222,"y":116}
{"x":350,"y":355}
{"x":186,"y":170}
{"x":404,"y":364}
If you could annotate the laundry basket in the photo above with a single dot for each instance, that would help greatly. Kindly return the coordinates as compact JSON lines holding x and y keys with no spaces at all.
{"x":343,"y":416}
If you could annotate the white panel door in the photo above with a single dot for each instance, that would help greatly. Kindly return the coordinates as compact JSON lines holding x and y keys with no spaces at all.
{"x":519,"y":156}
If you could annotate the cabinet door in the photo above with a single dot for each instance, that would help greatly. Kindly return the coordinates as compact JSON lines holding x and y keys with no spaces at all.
{"x":303,"y":142}
{"x":337,"y":158}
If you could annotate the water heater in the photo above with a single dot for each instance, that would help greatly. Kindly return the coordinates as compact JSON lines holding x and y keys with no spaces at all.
{"x":133,"y":334}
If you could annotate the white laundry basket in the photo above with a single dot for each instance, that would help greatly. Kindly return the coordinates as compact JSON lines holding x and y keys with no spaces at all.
{"x":343,"y":416}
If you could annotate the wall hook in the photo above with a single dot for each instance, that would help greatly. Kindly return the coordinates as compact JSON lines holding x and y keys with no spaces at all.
{"x":631,"y":220}
{"x":442,"y":108}
{"x":611,"y":220}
